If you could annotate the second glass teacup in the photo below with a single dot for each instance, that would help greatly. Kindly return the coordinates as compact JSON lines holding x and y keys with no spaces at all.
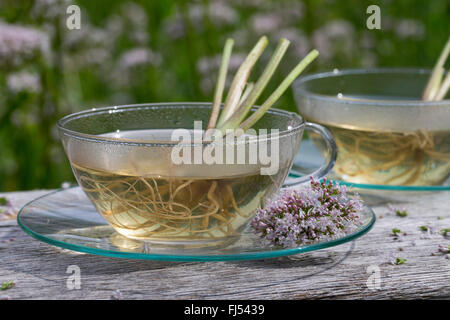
{"x":146,"y":169}
{"x":385,"y":133}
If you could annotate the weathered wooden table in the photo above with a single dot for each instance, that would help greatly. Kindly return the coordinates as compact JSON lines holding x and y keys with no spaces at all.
{"x":360,"y":269}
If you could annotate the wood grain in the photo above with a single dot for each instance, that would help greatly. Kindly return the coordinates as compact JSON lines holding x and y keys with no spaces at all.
{"x":39,"y":270}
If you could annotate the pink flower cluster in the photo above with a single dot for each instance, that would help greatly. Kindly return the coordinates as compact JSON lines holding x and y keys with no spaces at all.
{"x":19,"y":43}
{"x":321,"y":211}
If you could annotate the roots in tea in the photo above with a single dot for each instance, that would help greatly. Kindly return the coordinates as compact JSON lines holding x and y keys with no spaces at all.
{"x":178,"y":208}
{"x":412,"y":158}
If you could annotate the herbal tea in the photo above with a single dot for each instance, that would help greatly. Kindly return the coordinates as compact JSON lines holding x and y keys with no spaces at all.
{"x":395,"y":158}
{"x":187,"y":209}
{"x":147,"y":197}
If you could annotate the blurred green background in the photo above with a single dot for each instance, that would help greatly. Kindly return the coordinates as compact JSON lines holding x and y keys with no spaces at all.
{"x":155,"y":51}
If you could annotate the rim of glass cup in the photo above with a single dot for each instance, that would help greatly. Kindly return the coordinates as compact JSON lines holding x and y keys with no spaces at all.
{"x":182,"y":105}
{"x":369,"y":102}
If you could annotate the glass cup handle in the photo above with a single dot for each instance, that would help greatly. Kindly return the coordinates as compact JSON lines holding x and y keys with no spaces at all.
{"x":329,"y":162}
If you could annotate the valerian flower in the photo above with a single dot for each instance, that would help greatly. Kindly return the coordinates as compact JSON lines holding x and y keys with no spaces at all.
{"x":334,"y":38}
{"x":266,"y":22}
{"x":49,"y":9}
{"x":19,"y":43}
{"x":320,"y":211}
{"x":444,"y":248}
{"x":429,"y":230}
{"x":299,"y":41}
{"x":445,"y":232}
{"x":135,"y":14}
{"x":397,"y":234}
{"x":139,"y":56}
{"x":218,"y":13}
{"x":396,"y":260}
{"x":23,"y":81}
{"x":400,"y":212}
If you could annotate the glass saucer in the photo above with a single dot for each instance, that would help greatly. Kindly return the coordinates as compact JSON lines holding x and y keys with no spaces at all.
{"x":66,"y":218}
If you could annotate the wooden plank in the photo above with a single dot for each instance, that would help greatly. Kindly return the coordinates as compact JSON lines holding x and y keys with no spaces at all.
{"x":39,"y":270}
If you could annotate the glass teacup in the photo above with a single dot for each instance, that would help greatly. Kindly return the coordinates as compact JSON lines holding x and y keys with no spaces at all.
{"x":131,"y":163}
{"x":385,"y":134}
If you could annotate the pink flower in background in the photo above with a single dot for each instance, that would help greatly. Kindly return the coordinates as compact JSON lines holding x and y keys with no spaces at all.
{"x":174,"y":28}
{"x":266,"y":22}
{"x":139,"y":56}
{"x":19,"y":43}
{"x":115,"y":24}
{"x":49,"y":9}
{"x":130,"y":61}
{"x":300,"y":44}
{"x":135,"y":15}
{"x":23,"y":81}
{"x":337,"y":29}
{"x":219,"y":14}
{"x":290,"y":11}
{"x":92,"y":56}
{"x":135,"y":21}
{"x":206,"y":65}
{"x":88,"y":36}
{"x":277,"y":15}
{"x":335,"y":37}
{"x":248,"y":3}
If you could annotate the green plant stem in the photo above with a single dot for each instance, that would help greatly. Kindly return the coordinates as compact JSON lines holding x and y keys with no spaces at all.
{"x":221,"y":79}
{"x":237,"y":117}
{"x":237,"y":86}
{"x":247,"y":124}
{"x":435,"y":79}
{"x":444,"y":87}
{"x":248,"y":88}
{"x":435,"y":84}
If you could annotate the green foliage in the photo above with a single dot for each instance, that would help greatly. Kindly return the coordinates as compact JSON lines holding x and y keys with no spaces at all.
{"x":401,"y":213}
{"x":154,"y":51}
{"x":7,"y":285}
